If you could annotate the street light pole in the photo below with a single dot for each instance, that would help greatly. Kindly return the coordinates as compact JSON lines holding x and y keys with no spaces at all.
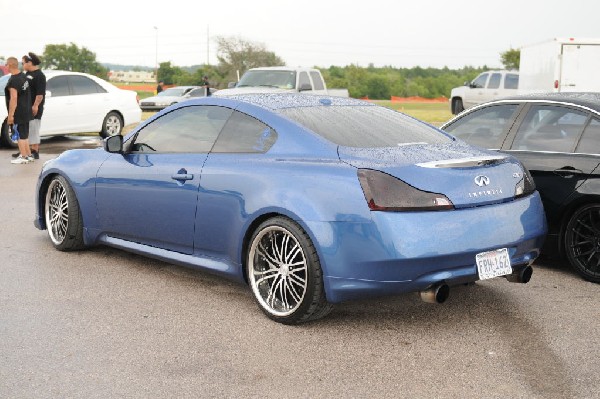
{"x":156,"y":55}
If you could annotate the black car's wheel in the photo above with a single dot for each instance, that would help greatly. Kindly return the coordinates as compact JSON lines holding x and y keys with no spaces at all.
{"x":285,"y":274}
{"x":5,"y":138}
{"x":582,"y":242}
{"x":63,"y":216}
{"x":112,"y":125}
{"x":457,"y":106}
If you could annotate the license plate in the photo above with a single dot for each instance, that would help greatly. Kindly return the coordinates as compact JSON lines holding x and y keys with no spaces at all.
{"x":493,"y":264}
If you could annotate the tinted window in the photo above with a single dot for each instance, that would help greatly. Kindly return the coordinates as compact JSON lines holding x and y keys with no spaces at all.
{"x":364,"y":126}
{"x":269,"y":78}
{"x":590,"y":141}
{"x":480,"y":81}
{"x":511,"y":81}
{"x":485,"y":127}
{"x":201,"y":92}
{"x":58,"y":86}
{"x":317,"y":80}
{"x":494,"y":82}
{"x":549,"y":128}
{"x":303,"y":79}
{"x":242,"y":133}
{"x":82,"y":85}
{"x":189,"y":129}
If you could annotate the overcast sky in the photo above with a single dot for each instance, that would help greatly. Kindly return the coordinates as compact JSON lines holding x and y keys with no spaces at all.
{"x":426,"y":33}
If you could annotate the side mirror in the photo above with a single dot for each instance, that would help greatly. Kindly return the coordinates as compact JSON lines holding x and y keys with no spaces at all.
{"x":231,"y":85}
{"x":113,"y":144}
{"x":305,"y":87}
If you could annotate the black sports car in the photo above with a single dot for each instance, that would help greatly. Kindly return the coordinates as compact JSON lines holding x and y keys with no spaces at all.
{"x":557,"y":137}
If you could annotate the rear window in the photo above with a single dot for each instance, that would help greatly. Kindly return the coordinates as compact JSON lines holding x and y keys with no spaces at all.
{"x":364,"y":126}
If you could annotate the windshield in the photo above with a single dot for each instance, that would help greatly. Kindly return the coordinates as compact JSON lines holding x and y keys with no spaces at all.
{"x":3,"y":81}
{"x":365,"y":126}
{"x":172,"y":92}
{"x":278,"y":79}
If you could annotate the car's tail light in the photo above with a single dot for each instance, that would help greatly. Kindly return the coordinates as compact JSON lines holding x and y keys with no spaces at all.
{"x":525,"y":186}
{"x":387,"y":193}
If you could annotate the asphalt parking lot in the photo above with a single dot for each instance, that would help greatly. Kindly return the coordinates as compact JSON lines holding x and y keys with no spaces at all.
{"x":104,"y":323}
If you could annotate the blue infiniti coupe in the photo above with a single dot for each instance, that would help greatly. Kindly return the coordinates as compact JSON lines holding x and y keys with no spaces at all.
{"x":310,"y":200}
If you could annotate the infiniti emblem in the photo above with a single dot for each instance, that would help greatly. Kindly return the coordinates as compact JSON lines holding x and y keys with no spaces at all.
{"x":482,"y":180}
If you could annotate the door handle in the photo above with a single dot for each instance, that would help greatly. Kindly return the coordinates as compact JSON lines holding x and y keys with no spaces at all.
{"x":182,"y":176}
{"x":567,"y":171}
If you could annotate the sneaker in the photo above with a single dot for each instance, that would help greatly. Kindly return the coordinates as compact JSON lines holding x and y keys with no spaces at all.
{"x":30,"y":158}
{"x":16,"y":155}
{"x":35,"y":154}
{"x":20,"y":159}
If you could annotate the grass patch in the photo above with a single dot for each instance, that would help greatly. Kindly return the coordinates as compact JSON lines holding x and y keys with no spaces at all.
{"x":433,"y":113}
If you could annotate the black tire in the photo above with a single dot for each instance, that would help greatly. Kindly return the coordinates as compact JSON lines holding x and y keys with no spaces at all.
{"x":111,"y":125}
{"x":457,"y":106}
{"x":285,"y":274}
{"x":582,"y":242}
{"x":5,"y":139}
{"x":63,"y":216}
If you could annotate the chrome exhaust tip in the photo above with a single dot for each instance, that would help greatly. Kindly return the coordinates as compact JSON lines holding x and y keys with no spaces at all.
{"x":435,"y":294}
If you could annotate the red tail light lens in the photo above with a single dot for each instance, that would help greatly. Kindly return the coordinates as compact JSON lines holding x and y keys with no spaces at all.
{"x":387,"y":193}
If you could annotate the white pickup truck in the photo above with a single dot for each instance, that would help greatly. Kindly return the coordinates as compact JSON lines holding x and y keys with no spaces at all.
{"x":281,"y":79}
{"x":487,"y":86}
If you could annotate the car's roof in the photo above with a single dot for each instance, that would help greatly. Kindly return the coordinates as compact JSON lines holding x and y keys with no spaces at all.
{"x":590,"y":100}
{"x":276,"y":101}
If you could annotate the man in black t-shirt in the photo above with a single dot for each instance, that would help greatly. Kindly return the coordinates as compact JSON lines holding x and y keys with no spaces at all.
{"x":18,"y":104}
{"x":37,"y":83}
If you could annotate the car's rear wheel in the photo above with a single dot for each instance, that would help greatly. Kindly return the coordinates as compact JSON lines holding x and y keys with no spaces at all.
{"x":5,"y":138}
{"x":285,"y":274}
{"x":63,"y":216}
{"x":112,"y":125}
{"x":582,"y":242}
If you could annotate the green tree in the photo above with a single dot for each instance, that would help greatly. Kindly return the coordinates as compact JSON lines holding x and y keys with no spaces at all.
{"x":238,"y":55}
{"x":72,"y":58}
{"x":511,"y":59}
{"x":168,"y":73}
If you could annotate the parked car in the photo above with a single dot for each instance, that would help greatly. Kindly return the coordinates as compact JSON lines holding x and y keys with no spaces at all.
{"x":557,"y":137}
{"x":487,"y":86}
{"x":79,"y":103}
{"x":173,"y":95}
{"x":311,"y":200}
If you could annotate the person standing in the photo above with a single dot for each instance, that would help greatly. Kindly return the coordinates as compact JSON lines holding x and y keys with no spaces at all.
{"x":18,"y":104}
{"x":159,"y":88}
{"x":37,"y":84}
{"x":206,"y":85}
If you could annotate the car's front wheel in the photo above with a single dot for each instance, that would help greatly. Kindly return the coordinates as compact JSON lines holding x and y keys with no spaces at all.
{"x":457,"y":106}
{"x":112,"y":125}
{"x":5,"y":138}
{"x":63,"y":216}
{"x":582,"y":242}
{"x":285,"y":274}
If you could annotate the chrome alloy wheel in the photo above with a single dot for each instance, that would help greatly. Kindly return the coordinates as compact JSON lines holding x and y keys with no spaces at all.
{"x":278,"y":271}
{"x":113,"y":125}
{"x":57,"y":212}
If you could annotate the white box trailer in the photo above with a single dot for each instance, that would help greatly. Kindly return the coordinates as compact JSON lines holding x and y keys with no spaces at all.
{"x":560,"y":65}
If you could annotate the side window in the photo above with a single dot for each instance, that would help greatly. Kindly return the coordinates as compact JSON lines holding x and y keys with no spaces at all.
{"x":244,"y":134}
{"x":317,"y":80}
{"x":549,"y":128}
{"x":486,"y":127}
{"x":191,"y":129}
{"x":494,"y":82}
{"x":58,"y":86}
{"x":479,"y":83}
{"x":200,"y":92}
{"x":511,"y":81}
{"x":590,"y":141}
{"x":303,"y":79}
{"x":82,"y":85}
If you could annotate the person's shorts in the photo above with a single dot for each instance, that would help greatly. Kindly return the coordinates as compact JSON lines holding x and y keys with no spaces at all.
{"x":34,"y":131}
{"x":22,"y":129}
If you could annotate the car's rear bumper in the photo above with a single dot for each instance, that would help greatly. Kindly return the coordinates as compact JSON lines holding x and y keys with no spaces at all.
{"x":404,"y":252}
